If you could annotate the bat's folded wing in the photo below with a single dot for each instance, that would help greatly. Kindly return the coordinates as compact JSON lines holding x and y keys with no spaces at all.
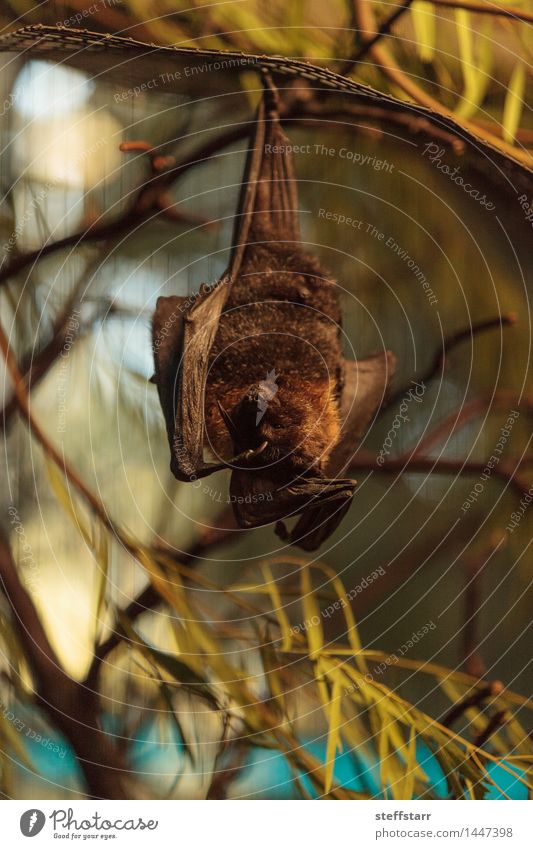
{"x":260,"y":499}
{"x":167,"y":342}
{"x":365,"y":389}
{"x":183,"y":332}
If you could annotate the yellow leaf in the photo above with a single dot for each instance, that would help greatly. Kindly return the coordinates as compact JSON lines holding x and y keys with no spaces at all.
{"x":277,"y":604}
{"x":514,"y":102}
{"x":411,"y":768}
{"x":424,"y":24}
{"x":312,"y":617}
{"x":476,"y":66}
{"x":334,"y":731}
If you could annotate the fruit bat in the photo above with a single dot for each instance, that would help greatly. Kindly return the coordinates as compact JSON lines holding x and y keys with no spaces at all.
{"x":252,"y":370}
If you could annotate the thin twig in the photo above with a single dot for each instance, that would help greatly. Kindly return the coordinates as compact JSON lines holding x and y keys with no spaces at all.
{"x":23,"y":404}
{"x":502,"y":401}
{"x":474,"y":699}
{"x":151,"y":199}
{"x":65,"y":330}
{"x":409,"y":463}
{"x":497,"y":721}
{"x":316,"y":112}
{"x":473,"y":661}
{"x":448,"y":344}
{"x":383,"y":30}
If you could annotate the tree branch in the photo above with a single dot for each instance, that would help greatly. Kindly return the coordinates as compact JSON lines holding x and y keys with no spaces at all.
{"x":383,"y":30}
{"x":448,"y":344}
{"x":473,"y":662}
{"x":474,"y":699}
{"x":152,"y":196}
{"x":411,"y":463}
{"x":71,"y":707}
{"x":151,"y":200}
{"x":496,"y":721}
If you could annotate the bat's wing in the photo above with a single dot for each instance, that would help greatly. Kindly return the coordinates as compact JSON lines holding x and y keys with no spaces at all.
{"x":182,"y":363}
{"x":276,"y":216}
{"x":182,"y":335}
{"x":365,"y":389}
{"x":320,"y":519}
{"x":167,"y":340}
{"x":259,"y":500}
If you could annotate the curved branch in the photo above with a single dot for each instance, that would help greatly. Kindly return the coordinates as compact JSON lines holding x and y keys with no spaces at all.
{"x":410,"y":463}
{"x":448,"y":344}
{"x":491,"y":690}
{"x":384,"y":29}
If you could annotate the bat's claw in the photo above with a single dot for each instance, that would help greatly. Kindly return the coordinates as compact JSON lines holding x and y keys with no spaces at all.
{"x":245,"y":456}
{"x":251,"y":453}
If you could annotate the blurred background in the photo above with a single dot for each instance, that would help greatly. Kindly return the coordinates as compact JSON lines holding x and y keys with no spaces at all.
{"x":231,"y":687}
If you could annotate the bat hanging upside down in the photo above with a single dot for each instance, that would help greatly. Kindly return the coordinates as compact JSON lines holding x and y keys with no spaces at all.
{"x":252,"y":369}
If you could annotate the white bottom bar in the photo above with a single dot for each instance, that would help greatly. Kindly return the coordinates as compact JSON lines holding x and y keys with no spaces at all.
{"x":236,"y":824}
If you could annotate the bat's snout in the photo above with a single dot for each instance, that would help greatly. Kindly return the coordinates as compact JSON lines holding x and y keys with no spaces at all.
{"x":242,"y":421}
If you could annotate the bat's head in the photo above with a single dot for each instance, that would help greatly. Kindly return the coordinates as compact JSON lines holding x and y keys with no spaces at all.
{"x":299,"y":421}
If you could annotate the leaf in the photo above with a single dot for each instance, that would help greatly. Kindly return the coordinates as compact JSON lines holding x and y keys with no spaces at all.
{"x":277,"y":604}
{"x":179,"y":671}
{"x":514,"y":102}
{"x":411,"y":767}
{"x":383,"y":754}
{"x":424,"y":24}
{"x":62,"y":494}
{"x":312,"y":617}
{"x":273,"y":678}
{"x":167,"y":698}
{"x":475,"y":67}
{"x":334,"y":732}
{"x":351,"y":627}
{"x":102,"y":556}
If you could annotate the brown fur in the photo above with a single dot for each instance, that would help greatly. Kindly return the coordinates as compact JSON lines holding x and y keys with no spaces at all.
{"x":283,"y":314}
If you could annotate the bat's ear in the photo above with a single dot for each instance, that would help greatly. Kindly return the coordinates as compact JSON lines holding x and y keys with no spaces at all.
{"x":259,"y":500}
